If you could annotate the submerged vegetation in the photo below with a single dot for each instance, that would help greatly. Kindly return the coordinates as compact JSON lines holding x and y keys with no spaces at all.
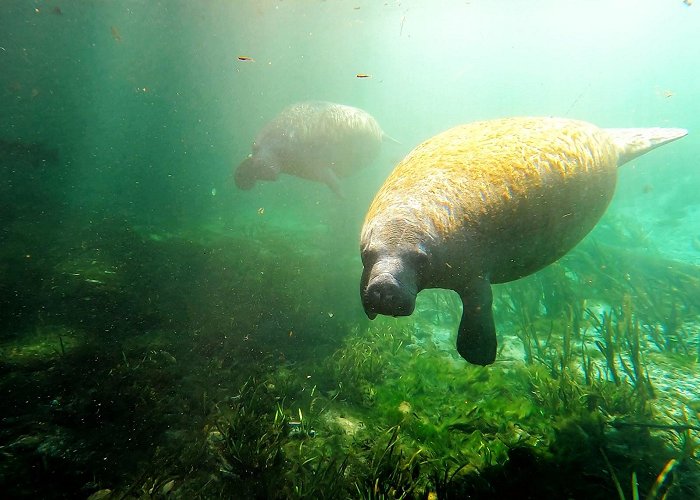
{"x":122,"y":386}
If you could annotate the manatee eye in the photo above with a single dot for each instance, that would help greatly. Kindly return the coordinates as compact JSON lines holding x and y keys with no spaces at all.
{"x":419,"y":259}
{"x":368,"y":257}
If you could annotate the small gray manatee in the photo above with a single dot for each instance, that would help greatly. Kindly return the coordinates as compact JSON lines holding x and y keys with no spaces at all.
{"x":314,"y":140}
{"x":489,"y":202}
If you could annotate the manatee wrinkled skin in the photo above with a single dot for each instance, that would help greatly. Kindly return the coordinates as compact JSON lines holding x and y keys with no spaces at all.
{"x":315,"y":140}
{"x":489,"y":202}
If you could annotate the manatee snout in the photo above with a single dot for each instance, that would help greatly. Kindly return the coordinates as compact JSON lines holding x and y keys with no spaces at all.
{"x":246,"y":174}
{"x":384,"y":294}
{"x":254,"y":169}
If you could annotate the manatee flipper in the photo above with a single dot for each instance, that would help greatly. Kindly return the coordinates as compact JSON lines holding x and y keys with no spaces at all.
{"x":388,"y":138}
{"x":328,"y":177}
{"x":476,"y":339}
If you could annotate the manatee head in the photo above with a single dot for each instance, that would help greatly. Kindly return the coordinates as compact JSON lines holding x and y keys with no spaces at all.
{"x":255,"y":168}
{"x":391,"y":279}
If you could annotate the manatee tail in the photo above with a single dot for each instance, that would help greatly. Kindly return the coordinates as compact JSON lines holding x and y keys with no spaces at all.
{"x":634,"y":142}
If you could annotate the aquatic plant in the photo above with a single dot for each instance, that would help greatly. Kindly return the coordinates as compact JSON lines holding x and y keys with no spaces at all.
{"x":354,"y":369}
{"x":522,"y":302}
{"x":392,"y":474}
{"x":247,"y":442}
{"x":659,"y":489}
{"x":318,"y":477}
{"x":608,"y":345}
{"x":221,"y":395}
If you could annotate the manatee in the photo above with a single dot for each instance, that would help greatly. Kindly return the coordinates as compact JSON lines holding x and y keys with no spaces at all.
{"x":316,"y":140}
{"x":489,"y":202}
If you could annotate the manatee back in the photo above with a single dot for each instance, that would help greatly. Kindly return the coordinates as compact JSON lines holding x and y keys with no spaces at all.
{"x":309,"y":136}
{"x":502,"y":197}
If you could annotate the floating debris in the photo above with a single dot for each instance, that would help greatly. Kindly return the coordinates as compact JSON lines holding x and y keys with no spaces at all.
{"x":696,"y":243}
{"x":294,"y":427}
{"x":115,"y":34}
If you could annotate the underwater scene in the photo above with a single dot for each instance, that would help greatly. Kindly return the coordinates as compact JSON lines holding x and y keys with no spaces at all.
{"x":212,"y":285}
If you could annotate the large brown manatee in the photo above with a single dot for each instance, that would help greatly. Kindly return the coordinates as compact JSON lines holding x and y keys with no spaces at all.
{"x":315,"y":140}
{"x":489,"y":202}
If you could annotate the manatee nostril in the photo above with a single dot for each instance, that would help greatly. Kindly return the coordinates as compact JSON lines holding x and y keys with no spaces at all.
{"x":384,"y":295}
{"x":381,"y":297}
{"x":380,"y":294}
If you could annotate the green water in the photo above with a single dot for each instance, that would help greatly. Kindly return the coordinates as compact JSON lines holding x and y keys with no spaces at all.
{"x":163,"y":334}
